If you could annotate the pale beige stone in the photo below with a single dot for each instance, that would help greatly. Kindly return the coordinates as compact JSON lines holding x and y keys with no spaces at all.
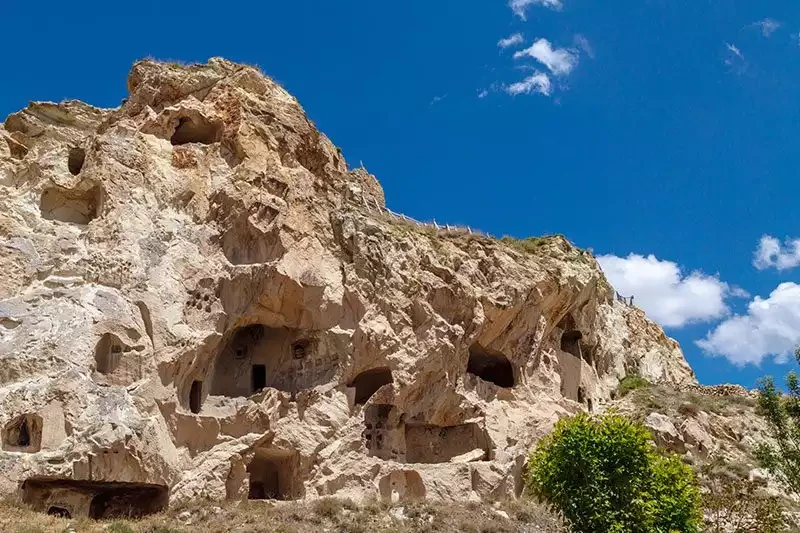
{"x":199,"y":295}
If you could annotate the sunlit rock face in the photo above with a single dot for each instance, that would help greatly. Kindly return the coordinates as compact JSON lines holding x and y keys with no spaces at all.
{"x":200,"y":300}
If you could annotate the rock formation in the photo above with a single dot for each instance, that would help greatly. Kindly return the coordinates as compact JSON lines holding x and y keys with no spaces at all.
{"x":201,"y":300}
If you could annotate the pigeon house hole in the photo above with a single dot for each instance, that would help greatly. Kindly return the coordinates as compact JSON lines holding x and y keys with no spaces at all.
{"x":490,"y":366}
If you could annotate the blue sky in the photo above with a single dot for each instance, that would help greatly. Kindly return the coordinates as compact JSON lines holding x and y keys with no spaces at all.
{"x":650,"y":128}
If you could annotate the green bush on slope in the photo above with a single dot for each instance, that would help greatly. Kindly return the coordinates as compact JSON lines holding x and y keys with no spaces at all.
{"x":603,"y":475}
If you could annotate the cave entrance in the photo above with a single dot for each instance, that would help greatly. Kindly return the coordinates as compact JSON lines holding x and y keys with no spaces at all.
{"x":273,"y":475}
{"x":60,"y":512}
{"x":368,"y":382}
{"x":491,"y":366}
{"x":195,"y":130}
{"x":259,"y":377}
{"x":95,"y":499}
{"x":196,"y":396}
{"x":23,"y":434}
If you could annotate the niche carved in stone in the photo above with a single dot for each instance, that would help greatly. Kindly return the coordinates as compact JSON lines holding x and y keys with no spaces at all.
{"x":23,"y":434}
{"x":273,"y":475}
{"x":257,"y":357}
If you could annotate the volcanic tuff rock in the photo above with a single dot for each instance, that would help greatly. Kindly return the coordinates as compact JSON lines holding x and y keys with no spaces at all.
{"x":201,"y":300}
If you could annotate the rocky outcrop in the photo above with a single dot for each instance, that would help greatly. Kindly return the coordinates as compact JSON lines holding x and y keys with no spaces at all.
{"x":201,"y":300}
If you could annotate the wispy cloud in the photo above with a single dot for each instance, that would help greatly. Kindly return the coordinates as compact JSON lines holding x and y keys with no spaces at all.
{"x":436,"y":99}
{"x":560,"y":61}
{"x":667,"y":294}
{"x":483,"y":93}
{"x":735,"y":59}
{"x":520,"y":7}
{"x":538,"y":82}
{"x":767,"y":26}
{"x":771,"y":327}
{"x":512,"y":40}
{"x":772,"y":254}
{"x":584,"y":44}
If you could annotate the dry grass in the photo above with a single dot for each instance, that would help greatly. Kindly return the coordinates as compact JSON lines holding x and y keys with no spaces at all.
{"x":328,"y":514}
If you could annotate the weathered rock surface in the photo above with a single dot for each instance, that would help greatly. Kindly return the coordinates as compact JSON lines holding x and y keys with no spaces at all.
{"x":201,"y":300}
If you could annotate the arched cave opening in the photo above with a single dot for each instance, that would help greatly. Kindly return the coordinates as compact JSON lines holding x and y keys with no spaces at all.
{"x":95,"y":499}
{"x":273,"y":475}
{"x":490,"y":366}
{"x":196,"y":129}
{"x":75,"y":160}
{"x":23,"y":434}
{"x":368,"y":382}
{"x":256,"y":357}
{"x":74,"y":207}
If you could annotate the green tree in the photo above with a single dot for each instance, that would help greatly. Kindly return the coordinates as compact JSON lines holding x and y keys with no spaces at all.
{"x":782,"y":413}
{"x":603,"y":475}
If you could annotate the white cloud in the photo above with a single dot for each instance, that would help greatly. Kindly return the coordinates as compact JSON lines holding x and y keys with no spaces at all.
{"x":560,"y":61}
{"x":539,"y":82}
{"x":520,"y":7}
{"x":483,"y":93}
{"x":772,"y":254}
{"x":667,"y":295}
{"x":768,"y":26}
{"x":512,"y":40}
{"x":770,"y":327}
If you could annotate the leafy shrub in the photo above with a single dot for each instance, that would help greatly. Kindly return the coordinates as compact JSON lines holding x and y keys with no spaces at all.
{"x":630,"y":383}
{"x":602,"y":474}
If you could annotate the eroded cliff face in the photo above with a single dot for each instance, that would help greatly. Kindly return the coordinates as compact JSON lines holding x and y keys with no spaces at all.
{"x":201,"y":300}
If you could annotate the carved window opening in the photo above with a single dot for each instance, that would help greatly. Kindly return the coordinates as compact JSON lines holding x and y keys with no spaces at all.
{"x":196,"y":396}
{"x":300,"y":349}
